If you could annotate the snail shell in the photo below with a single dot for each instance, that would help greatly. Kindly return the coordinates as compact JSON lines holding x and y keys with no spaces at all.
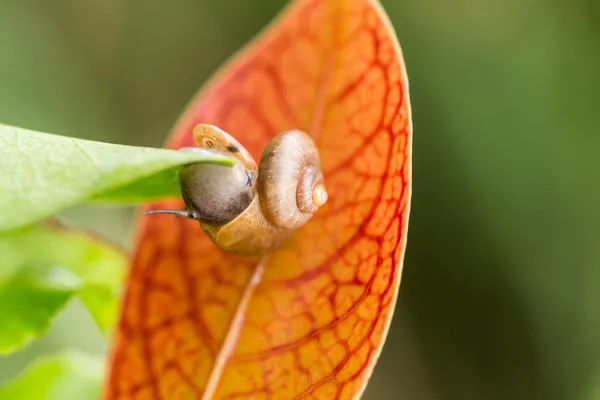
{"x":249,"y":210}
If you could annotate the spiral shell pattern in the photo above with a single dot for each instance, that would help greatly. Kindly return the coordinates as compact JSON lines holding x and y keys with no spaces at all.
{"x":290,"y":182}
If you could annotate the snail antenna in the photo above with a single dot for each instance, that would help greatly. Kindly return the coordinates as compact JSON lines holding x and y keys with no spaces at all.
{"x":180,"y":213}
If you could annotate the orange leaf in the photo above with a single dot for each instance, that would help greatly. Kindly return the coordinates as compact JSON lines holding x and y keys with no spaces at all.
{"x":310,"y":319}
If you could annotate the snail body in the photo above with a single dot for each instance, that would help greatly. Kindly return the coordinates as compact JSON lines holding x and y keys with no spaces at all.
{"x":250,"y":209}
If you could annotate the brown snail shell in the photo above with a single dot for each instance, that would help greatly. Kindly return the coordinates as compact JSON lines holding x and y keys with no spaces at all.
{"x":251,"y":210}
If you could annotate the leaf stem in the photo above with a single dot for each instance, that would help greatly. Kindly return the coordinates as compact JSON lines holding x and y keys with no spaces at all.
{"x":234,"y":331}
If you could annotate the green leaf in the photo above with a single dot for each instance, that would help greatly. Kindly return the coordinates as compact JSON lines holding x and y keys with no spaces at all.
{"x":49,"y":173}
{"x":99,"y":266}
{"x":70,"y":375}
{"x":158,"y":186}
{"x":102,"y":301}
{"x":28,"y":302}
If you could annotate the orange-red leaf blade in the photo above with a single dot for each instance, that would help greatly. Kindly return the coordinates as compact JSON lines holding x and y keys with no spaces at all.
{"x":314,"y":323}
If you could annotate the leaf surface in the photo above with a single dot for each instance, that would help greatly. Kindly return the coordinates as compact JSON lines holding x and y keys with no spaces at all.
{"x":69,"y":375}
{"x":97,"y":267}
{"x":29,"y":302}
{"x":43,"y":174}
{"x":310,"y":319}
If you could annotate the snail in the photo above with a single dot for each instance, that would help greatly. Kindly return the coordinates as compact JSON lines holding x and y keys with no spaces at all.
{"x":250,"y":209}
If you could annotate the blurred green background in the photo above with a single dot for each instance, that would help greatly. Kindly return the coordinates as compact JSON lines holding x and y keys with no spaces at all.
{"x":501,"y":290}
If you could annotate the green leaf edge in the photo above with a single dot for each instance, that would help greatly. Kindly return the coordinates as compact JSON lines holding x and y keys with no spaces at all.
{"x":110,"y":192}
{"x":57,"y":368}
{"x":65,"y":291}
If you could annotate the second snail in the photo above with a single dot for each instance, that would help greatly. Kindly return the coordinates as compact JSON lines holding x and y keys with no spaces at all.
{"x":250,"y":209}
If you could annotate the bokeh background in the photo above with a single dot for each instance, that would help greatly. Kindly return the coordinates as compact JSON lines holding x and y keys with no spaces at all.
{"x":500,"y":297}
